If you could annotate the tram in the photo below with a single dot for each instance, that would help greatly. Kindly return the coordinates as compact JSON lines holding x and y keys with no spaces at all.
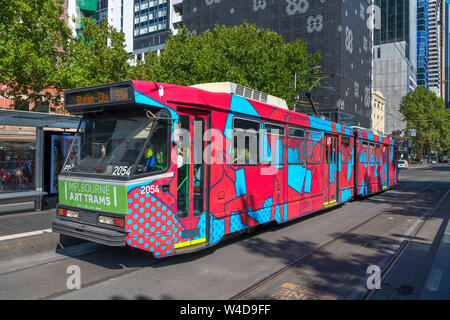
{"x":171,"y":169}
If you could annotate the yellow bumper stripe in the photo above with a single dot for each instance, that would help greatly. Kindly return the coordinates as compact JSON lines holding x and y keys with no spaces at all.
{"x":189,"y":243}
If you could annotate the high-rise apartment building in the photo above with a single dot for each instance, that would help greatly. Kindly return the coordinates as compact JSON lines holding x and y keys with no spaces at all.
{"x":435,"y":47}
{"x":339,"y":29}
{"x":147,"y":24}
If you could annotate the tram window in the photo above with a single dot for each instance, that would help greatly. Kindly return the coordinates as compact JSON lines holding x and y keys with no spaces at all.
{"x":274,"y":129}
{"x":246,"y":142}
{"x":295,"y":132}
{"x":155,"y":157}
{"x":372,"y":154}
{"x":346,"y":152}
{"x":296,"y":146}
{"x":313,"y":147}
{"x":273,"y":142}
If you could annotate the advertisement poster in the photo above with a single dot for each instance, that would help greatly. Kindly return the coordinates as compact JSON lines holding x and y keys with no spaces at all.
{"x":60,"y":150}
{"x":93,"y":196}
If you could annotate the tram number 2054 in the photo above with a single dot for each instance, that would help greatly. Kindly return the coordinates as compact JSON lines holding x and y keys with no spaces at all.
{"x":121,"y":170}
{"x":149,"y":189}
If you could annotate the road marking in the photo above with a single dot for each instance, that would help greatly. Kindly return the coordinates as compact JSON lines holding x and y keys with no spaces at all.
{"x":420,"y":220}
{"x":446,"y":239}
{"x":435,"y":280}
{"x":290,"y":291}
{"x":25,"y":234}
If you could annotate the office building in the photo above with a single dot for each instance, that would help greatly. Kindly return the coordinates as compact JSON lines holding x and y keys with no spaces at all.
{"x":378,"y":112}
{"x":147,"y":24}
{"x":339,"y":29}
{"x":395,"y":58}
{"x":446,"y":51}
{"x":422,"y":42}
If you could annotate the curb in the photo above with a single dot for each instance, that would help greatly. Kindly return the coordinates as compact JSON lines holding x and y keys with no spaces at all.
{"x":20,"y":247}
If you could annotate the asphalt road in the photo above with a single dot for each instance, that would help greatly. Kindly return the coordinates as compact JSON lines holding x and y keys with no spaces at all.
{"x":351,"y":242}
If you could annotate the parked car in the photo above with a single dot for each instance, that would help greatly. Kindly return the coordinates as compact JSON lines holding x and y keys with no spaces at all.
{"x":403,"y":164}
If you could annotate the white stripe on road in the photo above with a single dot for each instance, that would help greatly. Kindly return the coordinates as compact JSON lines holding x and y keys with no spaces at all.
{"x":25,"y":234}
{"x":434,"y":281}
{"x":446,"y":239}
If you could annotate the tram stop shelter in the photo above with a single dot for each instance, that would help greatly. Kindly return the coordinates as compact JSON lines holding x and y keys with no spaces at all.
{"x":33,"y":147}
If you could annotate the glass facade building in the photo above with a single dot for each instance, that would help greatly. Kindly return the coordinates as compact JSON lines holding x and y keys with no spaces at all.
{"x":339,"y":29}
{"x":395,"y":64}
{"x":446,"y":48}
{"x":102,"y":10}
{"x":422,"y":42}
{"x":394,"y":21}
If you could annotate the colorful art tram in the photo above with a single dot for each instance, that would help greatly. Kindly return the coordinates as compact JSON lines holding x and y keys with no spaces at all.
{"x":247,"y":160}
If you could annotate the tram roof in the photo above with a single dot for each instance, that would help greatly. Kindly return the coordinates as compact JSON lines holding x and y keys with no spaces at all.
{"x":164,"y":95}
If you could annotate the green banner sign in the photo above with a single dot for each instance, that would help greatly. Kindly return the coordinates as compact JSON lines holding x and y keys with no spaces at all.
{"x":93,"y":196}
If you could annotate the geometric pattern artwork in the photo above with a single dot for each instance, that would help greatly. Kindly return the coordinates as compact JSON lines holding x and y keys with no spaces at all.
{"x":238,"y":201}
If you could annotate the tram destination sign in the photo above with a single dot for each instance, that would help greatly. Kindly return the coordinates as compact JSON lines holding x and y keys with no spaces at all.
{"x":116,"y":93}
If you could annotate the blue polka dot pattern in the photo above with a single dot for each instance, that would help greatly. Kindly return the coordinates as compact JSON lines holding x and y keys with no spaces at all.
{"x":151,"y":225}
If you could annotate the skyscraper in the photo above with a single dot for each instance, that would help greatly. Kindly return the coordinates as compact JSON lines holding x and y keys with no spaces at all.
{"x":337,"y":28}
{"x":446,"y":48}
{"x":395,"y":59}
{"x":435,"y":47}
{"x":422,"y":42}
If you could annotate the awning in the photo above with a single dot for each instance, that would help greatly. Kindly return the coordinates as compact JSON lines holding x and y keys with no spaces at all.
{"x":38,"y":119}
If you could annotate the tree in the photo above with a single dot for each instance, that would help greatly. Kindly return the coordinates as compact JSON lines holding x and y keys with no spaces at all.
{"x":32,"y":42}
{"x":98,"y":56}
{"x":245,"y":54}
{"x":425,"y":113}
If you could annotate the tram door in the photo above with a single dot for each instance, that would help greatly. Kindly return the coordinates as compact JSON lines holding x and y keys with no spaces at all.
{"x":386,"y":161}
{"x":191,"y":177}
{"x":330,"y":170}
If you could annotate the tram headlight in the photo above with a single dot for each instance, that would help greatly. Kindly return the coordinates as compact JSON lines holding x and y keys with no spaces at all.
{"x":73,"y":214}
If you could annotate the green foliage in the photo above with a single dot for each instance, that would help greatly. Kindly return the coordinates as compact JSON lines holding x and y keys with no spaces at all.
{"x":245,"y":54}
{"x":38,"y":52}
{"x":96,"y":57}
{"x":32,"y":38}
{"x":425,"y":113}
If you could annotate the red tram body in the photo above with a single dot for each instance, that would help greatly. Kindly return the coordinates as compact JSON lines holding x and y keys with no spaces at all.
{"x":304,"y":165}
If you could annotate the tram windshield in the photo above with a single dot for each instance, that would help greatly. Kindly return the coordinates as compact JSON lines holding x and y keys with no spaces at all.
{"x":111,"y":143}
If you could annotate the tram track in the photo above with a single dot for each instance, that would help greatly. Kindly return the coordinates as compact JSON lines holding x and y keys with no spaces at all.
{"x":120,"y":274}
{"x":111,"y":253}
{"x":406,"y":244}
{"x":158,"y":262}
{"x":328,"y":244}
